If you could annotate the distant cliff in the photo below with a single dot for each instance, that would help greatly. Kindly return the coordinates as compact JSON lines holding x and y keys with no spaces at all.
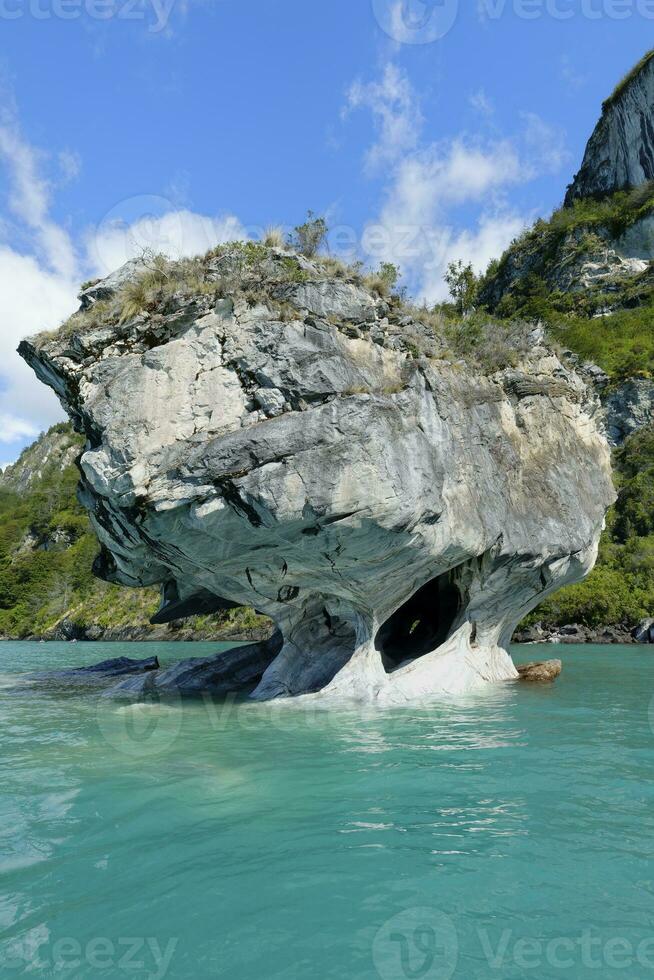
{"x":588,"y":270}
{"x":620,"y":153}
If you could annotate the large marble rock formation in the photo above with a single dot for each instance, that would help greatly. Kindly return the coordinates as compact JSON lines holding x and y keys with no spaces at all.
{"x":293,"y":448}
{"x":620,"y":153}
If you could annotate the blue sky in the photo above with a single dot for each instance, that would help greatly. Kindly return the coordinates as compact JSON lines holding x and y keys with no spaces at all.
{"x":425,"y":131}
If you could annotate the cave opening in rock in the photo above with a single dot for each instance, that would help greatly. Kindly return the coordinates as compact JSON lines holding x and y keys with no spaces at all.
{"x":421,"y":624}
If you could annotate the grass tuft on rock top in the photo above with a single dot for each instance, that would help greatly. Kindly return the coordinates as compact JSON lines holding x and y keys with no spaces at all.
{"x":258,"y":273}
{"x":625,"y":82}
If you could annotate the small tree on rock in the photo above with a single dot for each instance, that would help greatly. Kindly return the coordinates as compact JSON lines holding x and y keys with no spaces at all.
{"x":308,"y":237}
{"x":463,"y":285}
{"x":389,"y":274}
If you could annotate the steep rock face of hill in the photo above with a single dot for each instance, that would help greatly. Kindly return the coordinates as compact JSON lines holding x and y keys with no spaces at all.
{"x":601,"y":243}
{"x":588,"y":271}
{"x":620,"y":153}
{"x":52,"y":453}
{"x":261,"y":431}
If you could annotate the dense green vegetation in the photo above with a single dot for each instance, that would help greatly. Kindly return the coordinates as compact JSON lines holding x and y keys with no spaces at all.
{"x":47,"y":549}
{"x":609,"y":322}
{"x":622,"y":343}
{"x":581,"y":227}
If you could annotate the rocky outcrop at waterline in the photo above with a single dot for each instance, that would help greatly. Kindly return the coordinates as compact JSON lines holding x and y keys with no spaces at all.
{"x":620,"y":153}
{"x":575,"y":634}
{"x":543,"y":672}
{"x":268,"y":430}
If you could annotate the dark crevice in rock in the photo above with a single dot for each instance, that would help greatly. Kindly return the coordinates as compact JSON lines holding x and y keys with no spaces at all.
{"x":241,"y":506}
{"x":201,"y":603}
{"x":422,"y":624}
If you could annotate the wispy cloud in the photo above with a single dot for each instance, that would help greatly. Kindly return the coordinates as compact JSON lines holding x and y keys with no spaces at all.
{"x":481,"y":103}
{"x":29,"y":199}
{"x":570,"y":75}
{"x":40,"y":269}
{"x":419,"y":223}
{"x":546,"y":146}
{"x":396,"y":114}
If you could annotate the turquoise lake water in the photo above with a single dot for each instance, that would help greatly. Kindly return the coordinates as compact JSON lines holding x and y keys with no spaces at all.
{"x":509,"y":834}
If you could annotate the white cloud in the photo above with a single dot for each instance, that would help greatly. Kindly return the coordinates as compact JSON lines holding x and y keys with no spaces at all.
{"x":396,"y":114}
{"x":37,"y":285}
{"x":70,"y":165}
{"x":40,"y":270}
{"x":418,"y":233}
{"x":13,"y":428}
{"x":177,"y":233}
{"x":32,"y":298}
{"x":486,"y":241}
{"x":29,"y":200}
{"x":420,"y":225}
{"x":480,"y":101}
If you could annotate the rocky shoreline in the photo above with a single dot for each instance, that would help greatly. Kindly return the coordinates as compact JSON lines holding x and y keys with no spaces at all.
{"x":177,"y":632}
{"x":576,"y":634}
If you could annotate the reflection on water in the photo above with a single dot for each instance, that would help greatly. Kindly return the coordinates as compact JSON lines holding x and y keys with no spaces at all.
{"x":248,"y":840}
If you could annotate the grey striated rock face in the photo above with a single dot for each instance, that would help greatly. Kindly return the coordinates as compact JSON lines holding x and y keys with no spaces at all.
{"x":395,"y":516}
{"x":628,"y":408}
{"x":620,"y":153}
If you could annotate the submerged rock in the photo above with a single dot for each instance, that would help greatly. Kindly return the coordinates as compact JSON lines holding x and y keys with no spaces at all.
{"x":107,"y":669}
{"x":544,"y":671}
{"x":230,"y":671}
{"x":276,"y":439}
